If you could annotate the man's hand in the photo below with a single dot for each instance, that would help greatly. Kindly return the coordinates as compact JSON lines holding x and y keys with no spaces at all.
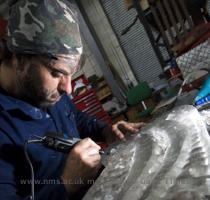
{"x":82,"y":166}
{"x":122,"y":127}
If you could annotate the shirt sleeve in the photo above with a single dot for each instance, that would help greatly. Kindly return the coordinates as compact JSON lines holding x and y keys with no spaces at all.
{"x":12,"y":187}
{"x":89,"y":126}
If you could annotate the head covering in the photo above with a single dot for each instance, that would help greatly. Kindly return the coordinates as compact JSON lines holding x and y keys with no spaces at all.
{"x":43,"y":27}
{"x":5,"y":7}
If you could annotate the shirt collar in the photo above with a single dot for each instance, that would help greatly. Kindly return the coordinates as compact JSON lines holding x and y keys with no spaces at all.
{"x":9,"y":103}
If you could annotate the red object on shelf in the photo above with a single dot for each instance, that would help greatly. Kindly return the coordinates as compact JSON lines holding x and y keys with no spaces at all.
{"x":89,"y":103}
{"x":81,"y":79}
{"x":3,"y":28}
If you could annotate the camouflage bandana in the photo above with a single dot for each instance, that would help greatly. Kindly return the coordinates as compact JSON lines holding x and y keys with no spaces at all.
{"x":43,"y":27}
{"x":5,"y":7}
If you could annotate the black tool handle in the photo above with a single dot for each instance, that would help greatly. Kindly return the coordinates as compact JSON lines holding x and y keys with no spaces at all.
{"x":61,"y":144}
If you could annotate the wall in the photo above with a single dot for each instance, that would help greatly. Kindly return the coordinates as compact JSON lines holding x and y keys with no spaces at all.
{"x":91,"y":66}
{"x":109,"y":42}
{"x":142,"y":60}
{"x":135,"y":42}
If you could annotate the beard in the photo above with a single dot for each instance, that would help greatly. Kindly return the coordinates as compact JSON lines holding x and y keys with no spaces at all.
{"x":31,"y":89}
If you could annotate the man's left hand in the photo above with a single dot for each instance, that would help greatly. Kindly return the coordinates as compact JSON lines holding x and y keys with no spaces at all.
{"x":122,"y":127}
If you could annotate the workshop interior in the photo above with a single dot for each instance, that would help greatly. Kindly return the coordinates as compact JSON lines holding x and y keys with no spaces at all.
{"x":139,"y":56}
{"x":145,"y":61}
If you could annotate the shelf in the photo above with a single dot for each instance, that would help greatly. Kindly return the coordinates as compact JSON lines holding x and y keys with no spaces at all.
{"x":104,"y":96}
{"x":104,"y":92}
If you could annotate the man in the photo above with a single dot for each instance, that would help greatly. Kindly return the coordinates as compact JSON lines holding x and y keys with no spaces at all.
{"x":44,"y":50}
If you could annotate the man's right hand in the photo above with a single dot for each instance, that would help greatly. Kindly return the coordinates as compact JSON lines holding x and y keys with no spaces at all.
{"x":82,"y":165}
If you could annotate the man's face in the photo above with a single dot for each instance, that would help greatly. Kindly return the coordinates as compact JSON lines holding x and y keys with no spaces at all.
{"x":45,"y":80}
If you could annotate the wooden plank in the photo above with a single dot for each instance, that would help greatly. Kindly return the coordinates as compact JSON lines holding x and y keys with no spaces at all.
{"x":158,"y":22}
{"x":172,"y":19}
{"x":143,"y":3}
{"x":165,"y":21}
{"x":184,"y":9}
{"x":179,"y":16}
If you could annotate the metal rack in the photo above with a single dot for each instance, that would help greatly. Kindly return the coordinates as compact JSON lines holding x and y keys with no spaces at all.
{"x":173,"y":20}
{"x":150,"y":34}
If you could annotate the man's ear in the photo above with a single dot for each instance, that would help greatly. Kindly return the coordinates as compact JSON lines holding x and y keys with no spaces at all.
{"x":19,"y":62}
{"x":2,"y":50}
{"x":14,"y":61}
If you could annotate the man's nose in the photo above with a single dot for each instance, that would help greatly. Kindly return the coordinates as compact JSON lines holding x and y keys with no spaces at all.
{"x":65,"y":84}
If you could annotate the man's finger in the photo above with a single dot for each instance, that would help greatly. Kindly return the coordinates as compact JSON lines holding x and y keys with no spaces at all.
{"x":87,"y":142}
{"x":92,"y":151}
{"x":138,"y":125}
{"x":128,"y":127}
{"x":118,"y":133}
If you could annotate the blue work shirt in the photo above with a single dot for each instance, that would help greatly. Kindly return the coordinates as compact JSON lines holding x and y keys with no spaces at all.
{"x":20,"y":121}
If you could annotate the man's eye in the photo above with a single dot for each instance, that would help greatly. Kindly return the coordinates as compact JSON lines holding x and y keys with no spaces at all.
{"x":56,"y":74}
